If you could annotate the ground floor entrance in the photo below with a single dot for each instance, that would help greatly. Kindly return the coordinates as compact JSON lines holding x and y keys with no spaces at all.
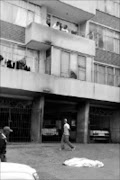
{"x":54,"y":114}
{"x":41,"y":119}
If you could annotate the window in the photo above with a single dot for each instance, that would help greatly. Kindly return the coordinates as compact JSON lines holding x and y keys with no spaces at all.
{"x":117,"y":8}
{"x":110,"y":76}
{"x":93,"y":31}
{"x":82,"y":68}
{"x":65,"y":57}
{"x":105,"y":38}
{"x":96,"y":33}
{"x":104,"y":74}
{"x":20,"y":14}
{"x":73,"y":66}
{"x":117,"y":77}
{"x":13,"y":52}
{"x":117,"y":42}
{"x":13,"y":14}
{"x":99,"y":74}
{"x":95,"y":73}
{"x":100,"y":37}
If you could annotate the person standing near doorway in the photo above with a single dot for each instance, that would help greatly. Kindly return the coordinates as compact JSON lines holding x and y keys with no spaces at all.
{"x":3,"y":142}
{"x":65,"y":136}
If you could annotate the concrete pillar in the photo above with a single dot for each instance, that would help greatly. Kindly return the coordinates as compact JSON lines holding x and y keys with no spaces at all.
{"x":82,"y":123}
{"x":115,"y":127}
{"x":43,"y":15}
{"x":37,"y":119}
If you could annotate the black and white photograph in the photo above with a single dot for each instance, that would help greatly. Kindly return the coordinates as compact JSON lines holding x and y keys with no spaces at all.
{"x":59,"y":89}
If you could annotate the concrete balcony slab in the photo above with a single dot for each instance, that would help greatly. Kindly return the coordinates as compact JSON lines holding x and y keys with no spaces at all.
{"x":75,"y":11}
{"x":41,"y":37}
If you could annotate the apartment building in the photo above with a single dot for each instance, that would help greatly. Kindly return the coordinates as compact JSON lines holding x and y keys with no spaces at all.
{"x":59,"y":59}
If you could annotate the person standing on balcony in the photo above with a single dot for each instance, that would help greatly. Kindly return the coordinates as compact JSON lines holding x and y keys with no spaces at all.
{"x":65,"y":136}
{"x":57,"y":25}
{"x":65,"y":28}
{"x":3,"y":142}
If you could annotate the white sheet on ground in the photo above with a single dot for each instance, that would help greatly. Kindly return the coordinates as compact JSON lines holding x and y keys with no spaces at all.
{"x":83,"y":162}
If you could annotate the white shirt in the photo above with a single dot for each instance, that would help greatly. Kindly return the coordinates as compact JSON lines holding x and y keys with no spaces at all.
{"x":65,"y":30}
{"x":56,"y":27}
{"x":66,"y":129}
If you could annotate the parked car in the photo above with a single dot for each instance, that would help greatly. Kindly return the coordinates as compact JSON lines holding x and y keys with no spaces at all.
{"x":14,"y":171}
{"x":100,"y":135}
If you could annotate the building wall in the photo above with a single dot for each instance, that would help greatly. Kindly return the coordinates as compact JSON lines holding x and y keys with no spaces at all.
{"x":107,"y":20}
{"x":38,"y":81}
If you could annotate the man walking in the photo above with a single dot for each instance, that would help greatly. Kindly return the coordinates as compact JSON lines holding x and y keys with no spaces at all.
{"x":3,"y":142}
{"x":65,"y":136}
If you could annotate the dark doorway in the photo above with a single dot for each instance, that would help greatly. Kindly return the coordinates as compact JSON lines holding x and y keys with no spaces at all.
{"x":19,"y":119}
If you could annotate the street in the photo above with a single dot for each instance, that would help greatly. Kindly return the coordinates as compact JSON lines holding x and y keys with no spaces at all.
{"x":47,"y":159}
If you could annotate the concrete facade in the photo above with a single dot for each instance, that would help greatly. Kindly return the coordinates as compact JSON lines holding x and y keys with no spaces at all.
{"x":51,"y":55}
{"x":37,"y":82}
{"x":115,"y":127}
{"x":37,"y":120}
{"x":82,"y":123}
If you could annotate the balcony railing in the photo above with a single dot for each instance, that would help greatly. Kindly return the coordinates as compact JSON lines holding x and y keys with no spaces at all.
{"x":41,"y":37}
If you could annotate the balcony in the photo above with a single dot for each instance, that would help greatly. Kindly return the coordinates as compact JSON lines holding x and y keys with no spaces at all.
{"x":74,"y":11}
{"x":41,"y":37}
{"x":22,"y":81}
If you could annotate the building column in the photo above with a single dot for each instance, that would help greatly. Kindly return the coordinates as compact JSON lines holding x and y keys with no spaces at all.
{"x":37,"y":120}
{"x":43,"y":15}
{"x":82,"y":123}
{"x":115,"y":127}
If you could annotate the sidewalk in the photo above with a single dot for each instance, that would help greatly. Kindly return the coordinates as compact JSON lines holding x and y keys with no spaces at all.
{"x":47,"y":159}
